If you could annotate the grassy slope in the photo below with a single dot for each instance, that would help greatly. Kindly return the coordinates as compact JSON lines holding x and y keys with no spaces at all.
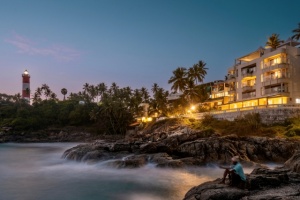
{"x":249,"y":125}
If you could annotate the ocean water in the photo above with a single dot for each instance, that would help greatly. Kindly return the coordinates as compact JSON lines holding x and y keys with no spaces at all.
{"x":37,"y":171}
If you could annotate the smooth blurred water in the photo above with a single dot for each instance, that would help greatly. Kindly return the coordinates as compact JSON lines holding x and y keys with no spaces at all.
{"x":37,"y":171}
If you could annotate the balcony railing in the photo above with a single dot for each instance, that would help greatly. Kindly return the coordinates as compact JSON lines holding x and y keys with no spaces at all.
{"x":248,"y":95}
{"x":271,"y":80}
{"x":248,"y":74}
{"x":280,"y":63}
{"x":275,"y":90}
{"x":248,"y":88}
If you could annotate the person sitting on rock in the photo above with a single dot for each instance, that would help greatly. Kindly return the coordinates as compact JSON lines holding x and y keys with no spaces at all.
{"x":236,"y":173}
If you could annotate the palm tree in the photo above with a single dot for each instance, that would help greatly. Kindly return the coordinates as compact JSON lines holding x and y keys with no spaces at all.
{"x":38,"y":91}
{"x":46,"y":90}
{"x":101,"y":89}
{"x":36,"y":98}
{"x":86,"y":87}
{"x":154,"y":88}
{"x":191,"y":91}
{"x":64,"y":91}
{"x":145,"y":94}
{"x":197,"y":72}
{"x":274,"y":41}
{"x":178,"y":79}
{"x":296,"y":33}
{"x":92,"y":90}
{"x":53,"y":96}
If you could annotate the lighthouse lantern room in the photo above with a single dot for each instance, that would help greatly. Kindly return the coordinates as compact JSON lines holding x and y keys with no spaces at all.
{"x":26,"y":85}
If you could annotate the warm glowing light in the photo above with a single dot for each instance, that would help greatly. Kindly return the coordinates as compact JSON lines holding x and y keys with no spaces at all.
{"x":149,"y":119}
{"x":26,"y":72}
{"x":193,"y":107}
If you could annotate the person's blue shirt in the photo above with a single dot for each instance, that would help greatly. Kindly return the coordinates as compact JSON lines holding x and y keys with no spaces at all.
{"x":239,"y":170}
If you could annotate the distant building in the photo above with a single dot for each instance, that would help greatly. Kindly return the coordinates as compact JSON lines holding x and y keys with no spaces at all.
{"x":261,"y":78}
{"x":26,"y":86}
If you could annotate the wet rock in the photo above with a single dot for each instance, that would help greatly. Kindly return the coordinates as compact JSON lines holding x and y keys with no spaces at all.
{"x":294,"y":162}
{"x":262,"y":183}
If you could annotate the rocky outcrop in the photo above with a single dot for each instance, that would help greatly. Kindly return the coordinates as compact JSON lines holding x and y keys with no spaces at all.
{"x":294,"y":162}
{"x":187,"y":149}
{"x":66,"y":134}
{"x":262,"y":183}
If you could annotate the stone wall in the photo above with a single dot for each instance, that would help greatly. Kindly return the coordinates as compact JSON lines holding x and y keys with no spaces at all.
{"x":268,"y":115}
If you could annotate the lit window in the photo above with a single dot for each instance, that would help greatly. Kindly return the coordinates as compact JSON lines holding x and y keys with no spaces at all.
{"x":297,"y":100}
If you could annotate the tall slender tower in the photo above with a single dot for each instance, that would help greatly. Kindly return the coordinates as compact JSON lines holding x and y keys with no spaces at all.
{"x":26,"y":85}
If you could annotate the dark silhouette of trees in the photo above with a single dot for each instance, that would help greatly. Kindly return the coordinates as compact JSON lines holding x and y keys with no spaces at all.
{"x":274,"y":41}
{"x":296,"y":33}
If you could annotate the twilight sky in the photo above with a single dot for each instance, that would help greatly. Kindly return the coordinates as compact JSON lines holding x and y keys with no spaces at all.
{"x":66,"y":43}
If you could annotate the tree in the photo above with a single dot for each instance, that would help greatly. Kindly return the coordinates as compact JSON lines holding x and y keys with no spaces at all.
{"x":191,"y":91}
{"x":274,"y":41}
{"x":178,"y":79}
{"x":145,"y":94}
{"x":53,"y":96}
{"x":154,"y":88}
{"x":64,"y":91}
{"x":46,"y":89}
{"x":296,"y":33}
{"x":197,"y":72}
{"x":101,"y":89}
{"x":92,"y":91}
{"x":86,"y":87}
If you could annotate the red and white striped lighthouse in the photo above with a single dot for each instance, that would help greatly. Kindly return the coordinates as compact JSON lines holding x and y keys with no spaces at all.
{"x":26,"y":85}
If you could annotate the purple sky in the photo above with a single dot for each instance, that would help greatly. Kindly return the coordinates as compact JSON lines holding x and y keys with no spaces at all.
{"x":66,"y":43}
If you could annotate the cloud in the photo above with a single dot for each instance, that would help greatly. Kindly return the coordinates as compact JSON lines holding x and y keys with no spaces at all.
{"x":58,"y":52}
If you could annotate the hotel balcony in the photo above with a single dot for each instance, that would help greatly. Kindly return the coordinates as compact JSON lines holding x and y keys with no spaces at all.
{"x":230,"y":78}
{"x":249,"y":95}
{"x":275,"y":91}
{"x":281,"y":63}
{"x":248,"y":88}
{"x":274,"y":80}
{"x":248,"y":74}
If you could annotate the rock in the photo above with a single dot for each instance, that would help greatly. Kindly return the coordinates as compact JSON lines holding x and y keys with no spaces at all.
{"x":262,"y":183}
{"x":129,"y":162}
{"x":149,"y":148}
{"x":214,"y":191}
{"x":120,"y":146}
{"x":294,"y":162}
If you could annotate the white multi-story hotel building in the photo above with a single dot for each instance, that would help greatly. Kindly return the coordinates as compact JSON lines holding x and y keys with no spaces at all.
{"x":265,"y":77}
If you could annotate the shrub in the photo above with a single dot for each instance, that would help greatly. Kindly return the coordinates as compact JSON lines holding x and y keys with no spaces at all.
{"x":208,"y":120}
{"x":208,"y":132}
{"x":290,"y":133}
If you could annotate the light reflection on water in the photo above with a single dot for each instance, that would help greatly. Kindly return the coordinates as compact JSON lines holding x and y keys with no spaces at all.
{"x":36,"y":171}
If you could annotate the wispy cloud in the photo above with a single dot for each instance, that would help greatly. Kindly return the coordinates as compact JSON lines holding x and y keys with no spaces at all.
{"x":58,"y":52}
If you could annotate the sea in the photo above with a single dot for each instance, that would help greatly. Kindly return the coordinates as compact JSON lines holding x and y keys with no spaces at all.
{"x":37,"y":171}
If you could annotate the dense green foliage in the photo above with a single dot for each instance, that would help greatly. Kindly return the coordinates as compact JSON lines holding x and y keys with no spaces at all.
{"x":106,"y":110}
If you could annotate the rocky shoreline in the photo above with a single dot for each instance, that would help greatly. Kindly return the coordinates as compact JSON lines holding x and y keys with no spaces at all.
{"x":262,"y":184}
{"x":176,"y":146}
{"x":65,"y":134}
{"x":181,"y":147}
{"x":185,"y":147}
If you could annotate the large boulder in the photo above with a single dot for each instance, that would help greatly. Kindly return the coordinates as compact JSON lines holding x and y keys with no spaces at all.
{"x":214,"y":191}
{"x":262,"y":184}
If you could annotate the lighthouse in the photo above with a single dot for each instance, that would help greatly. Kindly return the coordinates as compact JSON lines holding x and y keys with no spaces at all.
{"x":26,"y":86}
